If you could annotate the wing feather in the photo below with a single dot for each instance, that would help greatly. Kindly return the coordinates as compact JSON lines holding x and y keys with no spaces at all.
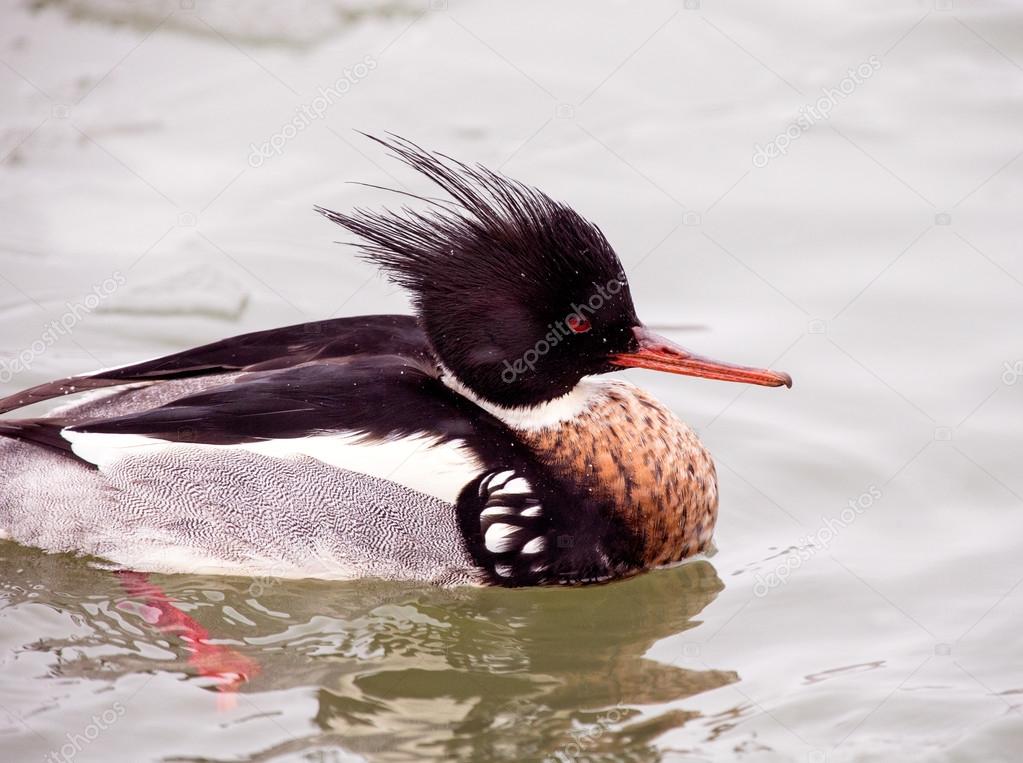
{"x":257,"y":351}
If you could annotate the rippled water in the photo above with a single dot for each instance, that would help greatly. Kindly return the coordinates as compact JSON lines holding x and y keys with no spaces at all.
{"x":865,"y":598}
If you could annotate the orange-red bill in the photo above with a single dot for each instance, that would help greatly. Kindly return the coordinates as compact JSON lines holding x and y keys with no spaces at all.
{"x":660,"y":354}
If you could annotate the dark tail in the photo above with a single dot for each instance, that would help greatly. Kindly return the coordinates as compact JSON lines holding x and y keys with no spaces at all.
{"x":42,"y":432}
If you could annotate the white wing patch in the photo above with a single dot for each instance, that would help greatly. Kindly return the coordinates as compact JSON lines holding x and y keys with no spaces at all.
{"x":535,"y":546}
{"x":501,"y":537}
{"x":419,"y":463}
{"x":513,"y":526}
{"x":105,"y":449}
{"x":517,"y":485}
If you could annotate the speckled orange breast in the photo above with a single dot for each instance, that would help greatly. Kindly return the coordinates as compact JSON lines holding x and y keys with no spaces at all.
{"x":630,"y":450}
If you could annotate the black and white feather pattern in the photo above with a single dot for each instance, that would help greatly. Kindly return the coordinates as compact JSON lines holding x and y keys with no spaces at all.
{"x":525,"y":530}
{"x":198,"y":508}
{"x":489,"y":272}
{"x":513,"y":525}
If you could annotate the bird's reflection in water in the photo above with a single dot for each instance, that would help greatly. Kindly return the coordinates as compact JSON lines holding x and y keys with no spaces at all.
{"x":402,"y":673}
{"x":518,"y":675}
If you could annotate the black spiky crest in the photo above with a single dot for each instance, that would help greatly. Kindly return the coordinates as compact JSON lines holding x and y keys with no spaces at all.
{"x":519,"y":295}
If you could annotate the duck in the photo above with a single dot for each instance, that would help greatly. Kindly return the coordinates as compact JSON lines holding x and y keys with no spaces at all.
{"x":478,"y":441}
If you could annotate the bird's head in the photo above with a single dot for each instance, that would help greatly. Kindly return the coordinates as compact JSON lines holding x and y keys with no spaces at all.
{"x":519,"y":295}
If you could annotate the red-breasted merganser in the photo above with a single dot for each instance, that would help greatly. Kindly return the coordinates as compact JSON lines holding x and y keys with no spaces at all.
{"x":474,"y":443}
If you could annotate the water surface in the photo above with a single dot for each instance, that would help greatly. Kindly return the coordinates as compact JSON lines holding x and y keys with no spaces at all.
{"x":864,"y":601}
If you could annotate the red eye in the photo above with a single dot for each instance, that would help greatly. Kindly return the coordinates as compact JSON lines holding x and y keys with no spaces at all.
{"x":577,"y":324}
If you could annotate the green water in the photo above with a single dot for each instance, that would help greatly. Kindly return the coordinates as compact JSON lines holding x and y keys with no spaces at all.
{"x":390,"y":672}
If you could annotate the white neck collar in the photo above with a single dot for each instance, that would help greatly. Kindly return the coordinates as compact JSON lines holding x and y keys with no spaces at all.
{"x":533,"y":417}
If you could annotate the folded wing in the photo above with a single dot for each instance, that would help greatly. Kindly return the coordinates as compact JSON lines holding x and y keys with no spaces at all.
{"x":261,"y":350}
